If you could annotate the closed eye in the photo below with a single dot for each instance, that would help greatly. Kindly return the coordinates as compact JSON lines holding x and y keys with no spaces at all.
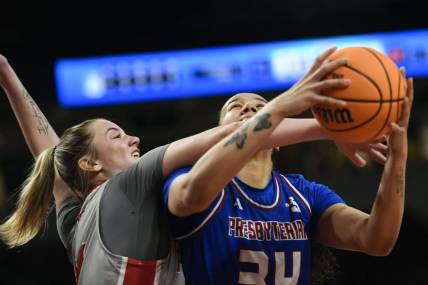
{"x":234,"y":106}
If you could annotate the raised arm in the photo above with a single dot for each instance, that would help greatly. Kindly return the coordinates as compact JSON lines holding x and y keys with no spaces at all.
{"x":292,"y":131}
{"x":187,"y":151}
{"x":38,"y":133}
{"x":288,"y":132}
{"x":375,"y":233}
{"x":193,"y":192}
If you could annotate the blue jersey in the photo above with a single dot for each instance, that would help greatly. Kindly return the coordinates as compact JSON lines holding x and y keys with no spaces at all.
{"x":252,"y":236}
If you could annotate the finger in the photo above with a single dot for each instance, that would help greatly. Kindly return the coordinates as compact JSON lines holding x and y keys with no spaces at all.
{"x":328,"y":67}
{"x":357,"y":159}
{"x":382,"y":139}
{"x":329,"y":101}
{"x":403,"y":71}
{"x":407,"y":106}
{"x":321,"y":58}
{"x":410,"y":91}
{"x":405,"y":115}
{"x":331,"y":83}
{"x":379,"y":147}
{"x":377,"y":156}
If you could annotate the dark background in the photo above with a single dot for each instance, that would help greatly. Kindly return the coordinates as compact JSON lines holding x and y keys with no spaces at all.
{"x":33,"y":37}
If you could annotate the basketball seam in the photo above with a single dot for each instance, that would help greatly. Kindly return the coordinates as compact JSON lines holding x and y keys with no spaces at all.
{"x":390,"y":92}
{"x":377,"y":111}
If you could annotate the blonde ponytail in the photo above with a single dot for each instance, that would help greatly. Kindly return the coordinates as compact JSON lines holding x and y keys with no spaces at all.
{"x":33,"y":204}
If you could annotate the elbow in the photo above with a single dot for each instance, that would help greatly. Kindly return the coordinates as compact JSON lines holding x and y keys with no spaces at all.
{"x":191,"y":200}
{"x":380,"y":246}
{"x":379,"y":251}
{"x":199,"y":195}
{"x":378,"y":239}
{"x":193,"y":205}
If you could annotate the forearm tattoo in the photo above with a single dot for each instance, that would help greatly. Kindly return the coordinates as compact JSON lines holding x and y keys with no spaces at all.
{"x":238,"y":138}
{"x":42,"y":123}
{"x":263,"y":122}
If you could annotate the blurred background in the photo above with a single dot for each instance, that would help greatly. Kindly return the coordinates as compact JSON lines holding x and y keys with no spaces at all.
{"x":34,"y":38}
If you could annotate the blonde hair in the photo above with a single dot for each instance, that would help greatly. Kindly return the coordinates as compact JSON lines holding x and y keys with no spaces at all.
{"x":36,"y":199}
{"x":34,"y":203}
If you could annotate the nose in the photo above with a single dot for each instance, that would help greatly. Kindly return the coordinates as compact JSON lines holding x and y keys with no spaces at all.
{"x":249,"y":107}
{"x":134,"y":141}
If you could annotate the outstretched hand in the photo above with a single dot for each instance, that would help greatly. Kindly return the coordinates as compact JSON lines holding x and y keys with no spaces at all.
{"x":307,"y":92}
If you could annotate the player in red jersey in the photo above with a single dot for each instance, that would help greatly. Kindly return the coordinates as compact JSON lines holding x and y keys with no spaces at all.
{"x":97,"y":154}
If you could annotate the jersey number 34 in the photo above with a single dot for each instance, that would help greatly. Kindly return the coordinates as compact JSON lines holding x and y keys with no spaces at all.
{"x":261,"y":259}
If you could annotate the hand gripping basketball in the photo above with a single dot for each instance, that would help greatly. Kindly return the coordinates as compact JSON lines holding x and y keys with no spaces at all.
{"x":375,"y":96}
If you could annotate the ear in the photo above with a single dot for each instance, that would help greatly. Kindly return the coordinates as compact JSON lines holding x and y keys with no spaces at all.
{"x":86,"y":164}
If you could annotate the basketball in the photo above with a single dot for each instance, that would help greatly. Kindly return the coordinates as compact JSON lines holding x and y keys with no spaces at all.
{"x":374,"y":97}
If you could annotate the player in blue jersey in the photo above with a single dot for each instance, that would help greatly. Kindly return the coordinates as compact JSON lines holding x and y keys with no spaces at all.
{"x":99,"y":152}
{"x":239,"y":222}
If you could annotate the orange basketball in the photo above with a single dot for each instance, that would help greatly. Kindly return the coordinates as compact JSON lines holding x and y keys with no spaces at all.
{"x":374,"y":97}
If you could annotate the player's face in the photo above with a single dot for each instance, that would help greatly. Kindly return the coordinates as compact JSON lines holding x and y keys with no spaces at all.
{"x":115,"y":150}
{"x":241,"y":107}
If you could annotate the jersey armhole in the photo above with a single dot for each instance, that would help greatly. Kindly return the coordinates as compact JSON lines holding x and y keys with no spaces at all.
{"x":209,"y":216}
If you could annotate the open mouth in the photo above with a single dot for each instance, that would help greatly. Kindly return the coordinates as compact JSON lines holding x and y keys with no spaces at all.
{"x":136,"y":154}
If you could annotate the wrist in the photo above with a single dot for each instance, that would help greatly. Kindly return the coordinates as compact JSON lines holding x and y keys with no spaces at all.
{"x":397,"y":162}
{"x":276,"y":109}
{"x":230,"y":128}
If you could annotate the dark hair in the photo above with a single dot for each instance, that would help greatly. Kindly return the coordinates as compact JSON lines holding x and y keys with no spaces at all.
{"x":35,"y":198}
{"x":324,"y":265}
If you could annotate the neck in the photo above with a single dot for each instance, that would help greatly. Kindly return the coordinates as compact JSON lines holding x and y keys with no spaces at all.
{"x":96,"y":181}
{"x":257,"y":172}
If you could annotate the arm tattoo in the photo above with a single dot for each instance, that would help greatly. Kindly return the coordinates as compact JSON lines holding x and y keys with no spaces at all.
{"x":263,"y":122}
{"x":43,"y":125}
{"x":238,"y":138}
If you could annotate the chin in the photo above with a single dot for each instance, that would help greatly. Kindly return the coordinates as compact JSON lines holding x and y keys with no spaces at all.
{"x":136,"y":158}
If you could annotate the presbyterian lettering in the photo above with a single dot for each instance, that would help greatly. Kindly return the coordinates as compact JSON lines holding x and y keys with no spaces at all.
{"x":266,"y":230}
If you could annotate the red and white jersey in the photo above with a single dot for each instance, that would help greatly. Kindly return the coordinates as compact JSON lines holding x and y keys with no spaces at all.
{"x":95,"y":264}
